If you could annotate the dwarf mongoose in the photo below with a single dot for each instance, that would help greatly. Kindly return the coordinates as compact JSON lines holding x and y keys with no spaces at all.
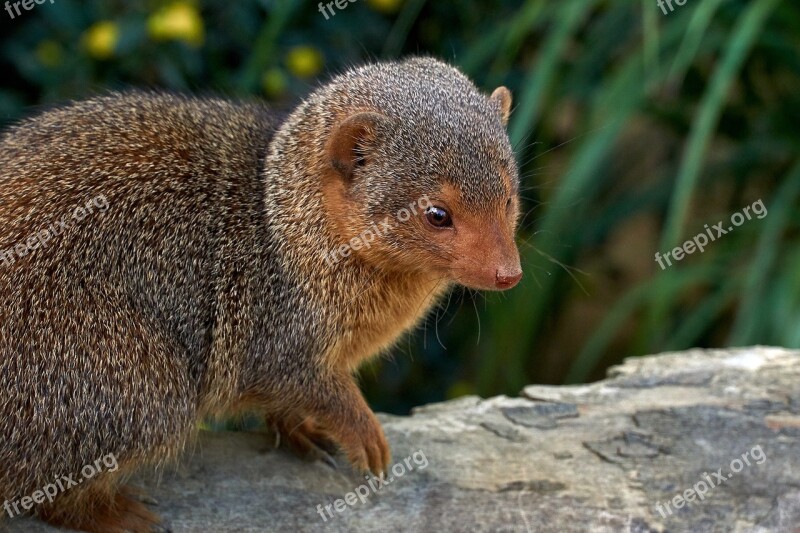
{"x":167,"y":258}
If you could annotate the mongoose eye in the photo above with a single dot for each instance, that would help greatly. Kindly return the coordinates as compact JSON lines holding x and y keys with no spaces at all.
{"x":438,"y":217}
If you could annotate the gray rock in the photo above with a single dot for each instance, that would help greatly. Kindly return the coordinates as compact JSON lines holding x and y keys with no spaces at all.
{"x":609,"y":456}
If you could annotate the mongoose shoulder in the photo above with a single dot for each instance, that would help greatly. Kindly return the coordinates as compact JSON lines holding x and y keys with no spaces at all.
{"x":165,"y":258}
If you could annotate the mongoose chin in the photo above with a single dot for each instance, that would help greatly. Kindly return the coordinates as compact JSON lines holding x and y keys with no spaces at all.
{"x":204,"y":288}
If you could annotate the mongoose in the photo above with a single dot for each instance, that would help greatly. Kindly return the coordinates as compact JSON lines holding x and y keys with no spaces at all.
{"x":201,"y":284}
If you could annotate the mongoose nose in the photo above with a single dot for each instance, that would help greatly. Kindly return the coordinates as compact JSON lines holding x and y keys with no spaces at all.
{"x":506,"y":281}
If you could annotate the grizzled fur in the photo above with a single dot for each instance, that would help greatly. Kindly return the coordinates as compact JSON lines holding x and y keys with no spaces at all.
{"x":202,"y":288}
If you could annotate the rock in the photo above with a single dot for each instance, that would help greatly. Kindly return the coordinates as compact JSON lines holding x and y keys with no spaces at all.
{"x":608,"y":456}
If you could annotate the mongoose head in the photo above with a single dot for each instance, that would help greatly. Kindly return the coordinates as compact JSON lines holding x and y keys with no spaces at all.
{"x":420,"y":174}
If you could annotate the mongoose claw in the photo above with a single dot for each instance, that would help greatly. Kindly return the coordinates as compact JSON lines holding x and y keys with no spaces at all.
{"x":326,"y":458}
{"x":276,"y":431}
{"x":147,"y":500}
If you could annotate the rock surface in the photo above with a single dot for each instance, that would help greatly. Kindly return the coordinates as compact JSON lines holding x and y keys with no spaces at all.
{"x":598,"y":457}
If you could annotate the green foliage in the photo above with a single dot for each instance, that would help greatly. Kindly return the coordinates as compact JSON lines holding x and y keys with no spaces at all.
{"x":625,"y":119}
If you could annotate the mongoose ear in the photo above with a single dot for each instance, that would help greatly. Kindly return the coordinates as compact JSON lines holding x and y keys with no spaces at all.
{"x":502,"y":99}
{"x":352,"y":141}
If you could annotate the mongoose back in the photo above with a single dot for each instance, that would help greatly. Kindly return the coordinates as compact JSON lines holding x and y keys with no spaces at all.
{"x":167,"y":258}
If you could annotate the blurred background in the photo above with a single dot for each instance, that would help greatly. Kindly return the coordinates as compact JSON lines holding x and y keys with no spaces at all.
{"x":635,"y":125}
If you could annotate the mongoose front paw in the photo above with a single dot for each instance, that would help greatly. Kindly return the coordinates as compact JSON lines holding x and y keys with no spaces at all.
{"x":365,"y":444}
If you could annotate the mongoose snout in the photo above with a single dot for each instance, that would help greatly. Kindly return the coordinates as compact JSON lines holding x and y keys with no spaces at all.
{"x":246,"y":261}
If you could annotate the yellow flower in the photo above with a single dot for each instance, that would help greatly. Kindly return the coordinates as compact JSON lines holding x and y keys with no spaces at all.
{"x":49,"y":53}
{"x":274,"y":82}
{"x":304,"y":61}
{"x":385,"y":6}
{"x":459,"y":389}
{"x":101,"y":39}
{"x":180,"y":21}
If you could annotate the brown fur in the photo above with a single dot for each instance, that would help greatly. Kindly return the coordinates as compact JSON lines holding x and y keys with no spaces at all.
{"x":204,"y":288}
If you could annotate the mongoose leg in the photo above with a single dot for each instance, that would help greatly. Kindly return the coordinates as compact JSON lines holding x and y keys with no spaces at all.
{"x":339,"y":409}
{"x":101,"y":507}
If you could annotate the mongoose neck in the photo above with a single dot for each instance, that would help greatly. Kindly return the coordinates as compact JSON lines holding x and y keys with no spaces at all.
{"x":352,"y":295}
